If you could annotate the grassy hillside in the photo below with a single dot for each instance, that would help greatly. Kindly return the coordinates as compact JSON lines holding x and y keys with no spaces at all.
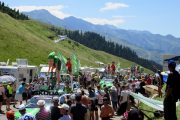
{"x":30,"y":39}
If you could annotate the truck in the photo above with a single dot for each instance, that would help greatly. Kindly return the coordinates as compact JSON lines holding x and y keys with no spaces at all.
{"x":19,"y":69}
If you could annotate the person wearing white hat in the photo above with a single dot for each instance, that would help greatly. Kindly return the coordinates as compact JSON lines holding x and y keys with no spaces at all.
{"x":114,"y":97}
{"x":64,"y":109}
{"x":24,"y":115}
{"x":43,"y":114}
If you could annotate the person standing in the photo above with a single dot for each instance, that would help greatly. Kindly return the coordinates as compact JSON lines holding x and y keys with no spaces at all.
{"x":107,"y":95}
{"x":64,"y":109}
{"x":93,"y":107}
{"x":109,"y":69}
{"x":2,"y":94}
{"x":9,"y":95}
{"x":24,"y":115}
{"x":84,"y":99}
{"x":160,"y":83}
{"x":123,"y":100}
{"x":172,"y":92}
{"x":113,"y":68}
{"x":43,"y":114}
{"x":78,"y":110}
{"x":100,"y":96}
{"x":69,"y":66}
{"x":19,"y":92}
{"x":106,"y":111}
{"x":67,"y":88}
{"x":36,"y":87}
{"x":55,"y":111}
{"x":114,"y":97}
{"x":118,"y":87}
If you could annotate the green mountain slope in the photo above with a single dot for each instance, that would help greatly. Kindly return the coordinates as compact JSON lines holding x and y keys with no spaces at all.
{"x":30,"y":39}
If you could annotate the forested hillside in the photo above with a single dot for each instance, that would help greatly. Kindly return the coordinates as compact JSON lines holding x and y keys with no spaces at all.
{"x":98,"y":42}
{"x":12,"y":12}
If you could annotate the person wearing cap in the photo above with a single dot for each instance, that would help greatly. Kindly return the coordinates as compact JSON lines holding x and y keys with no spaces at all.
{"x":78,"y":110}
{"x":172,"y":92}
{"x":24,"y":115}
{"x":43,"y":114}
{"x":55,"y":111}
{"x":64,"y":109}
{"x":2,"y":94}
{"x":106,"y":111}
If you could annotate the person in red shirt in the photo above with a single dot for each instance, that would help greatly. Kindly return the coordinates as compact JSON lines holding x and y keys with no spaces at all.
{"x":10,"y":115}
{"x":69,"y":66}
{"x":149,"y":80}
{"x":113,"y":68}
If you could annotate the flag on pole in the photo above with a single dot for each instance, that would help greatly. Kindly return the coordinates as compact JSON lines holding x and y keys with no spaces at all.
{"x":63,"y":62}
{"x":75,"y":63}
{"x":118,"y":67}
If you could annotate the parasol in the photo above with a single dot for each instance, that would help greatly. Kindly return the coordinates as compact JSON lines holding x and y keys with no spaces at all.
{"x":7,"y":78}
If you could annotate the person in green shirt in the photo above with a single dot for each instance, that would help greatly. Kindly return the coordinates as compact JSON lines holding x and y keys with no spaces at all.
{"x":67,"y":89}
{"x":9,"y":94}
{"x":44,"y":88}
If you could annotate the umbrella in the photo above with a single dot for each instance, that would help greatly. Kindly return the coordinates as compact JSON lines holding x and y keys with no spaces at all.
{"x":7,"y":78}
{"x":178,"y":67}
{"x":176,"y":58}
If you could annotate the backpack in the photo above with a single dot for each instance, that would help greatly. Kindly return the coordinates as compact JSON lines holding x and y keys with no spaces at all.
{"x":6,"y":91}
{"x":177,"y":86}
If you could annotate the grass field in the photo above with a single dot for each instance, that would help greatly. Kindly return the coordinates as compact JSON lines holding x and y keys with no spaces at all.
{"x":30,"y":39}
{"x":150,"y":114}
{"x":145,"y":107}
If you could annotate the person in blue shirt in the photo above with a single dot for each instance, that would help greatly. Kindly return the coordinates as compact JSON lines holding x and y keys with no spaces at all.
{"x":20,"y":90}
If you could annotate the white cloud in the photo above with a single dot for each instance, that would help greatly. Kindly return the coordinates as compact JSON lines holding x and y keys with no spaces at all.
{"x":55,"y":10}
{"x":116,"y":21}
{"x":113,"y":6}
{"x":117,"y":16}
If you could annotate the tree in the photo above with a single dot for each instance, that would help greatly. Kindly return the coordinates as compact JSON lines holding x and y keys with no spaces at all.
{"x":98,"y":42}
{"x":12,"y":12}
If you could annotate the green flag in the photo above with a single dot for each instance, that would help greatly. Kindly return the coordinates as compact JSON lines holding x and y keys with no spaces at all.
{"x":63,"y":63}
{"x":118,"y":67}
{"x":75,"y":63}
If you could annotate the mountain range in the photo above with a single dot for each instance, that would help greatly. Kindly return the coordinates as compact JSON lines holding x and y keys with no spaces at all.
{"x":145,"y":44}
{"x":31,"y":40}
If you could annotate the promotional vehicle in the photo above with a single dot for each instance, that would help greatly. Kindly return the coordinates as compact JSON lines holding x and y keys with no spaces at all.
{"x":108,"y":81}
{"x":32,"y":107}
{"x":74,"y":87}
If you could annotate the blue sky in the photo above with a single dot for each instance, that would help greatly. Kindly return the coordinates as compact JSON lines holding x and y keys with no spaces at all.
{"x":156,"y":16}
